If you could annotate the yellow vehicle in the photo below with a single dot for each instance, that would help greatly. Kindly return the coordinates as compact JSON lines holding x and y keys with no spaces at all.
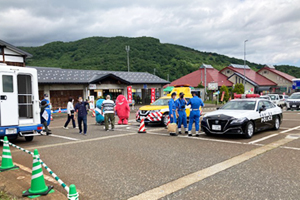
{"x":161,"y":105}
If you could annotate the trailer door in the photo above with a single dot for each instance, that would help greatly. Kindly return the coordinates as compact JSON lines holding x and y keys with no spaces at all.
{"x":8,"y":99}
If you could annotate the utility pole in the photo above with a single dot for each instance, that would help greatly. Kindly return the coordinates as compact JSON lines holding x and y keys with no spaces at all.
{"x":127,"y":48}
{"x":204,"y":96}
{"x":245,"y":65}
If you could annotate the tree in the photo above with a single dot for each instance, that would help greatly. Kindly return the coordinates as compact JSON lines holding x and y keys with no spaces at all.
{"x":226,"y":95}
{"x":200,"y":85}
{"x":238,"y":88}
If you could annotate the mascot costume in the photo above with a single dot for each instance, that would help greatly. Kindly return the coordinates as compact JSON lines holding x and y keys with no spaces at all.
{"x":122,"y":109}
{"x":99,"y":115}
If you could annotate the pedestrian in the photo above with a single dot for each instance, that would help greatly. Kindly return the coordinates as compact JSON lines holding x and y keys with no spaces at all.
{"x":172,"y":111}
{"x":195,"y":103}
{"x":44,"y":116}
{"x":108,"y":108}
{"x":180,"y":106}
{"x":70,"y":112}
{"x":48,"y":107}
{"x":80,"y":109}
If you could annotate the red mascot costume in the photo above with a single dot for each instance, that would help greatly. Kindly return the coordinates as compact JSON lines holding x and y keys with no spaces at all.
{"x":122,"y":109}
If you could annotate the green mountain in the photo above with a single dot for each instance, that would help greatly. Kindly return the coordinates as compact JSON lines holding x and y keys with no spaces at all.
{"x":146,"y":54}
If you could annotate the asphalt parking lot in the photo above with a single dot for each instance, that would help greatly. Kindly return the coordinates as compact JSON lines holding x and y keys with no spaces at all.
{"x":123,"y":164}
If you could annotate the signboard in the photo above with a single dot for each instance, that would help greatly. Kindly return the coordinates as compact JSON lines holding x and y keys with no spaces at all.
{"x":152,"y":95}
{"x":212,"y":86}
{"x":296,"y":84}
{"x":92,"y":86}
{"x":222,"y":97}
{"x":92,"y":100}
{"x":145,"y":86}
{"x":129,"y":94}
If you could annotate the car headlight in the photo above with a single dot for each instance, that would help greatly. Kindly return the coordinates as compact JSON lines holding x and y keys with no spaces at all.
{"x":238,"y":121}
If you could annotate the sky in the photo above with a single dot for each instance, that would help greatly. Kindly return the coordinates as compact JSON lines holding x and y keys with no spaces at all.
{"x":272,"y":27}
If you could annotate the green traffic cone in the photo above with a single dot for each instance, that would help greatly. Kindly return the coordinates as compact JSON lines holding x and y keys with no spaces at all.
{"x":7,"y":163}
{"x":73,"y":194}
{"x":38,"y":185}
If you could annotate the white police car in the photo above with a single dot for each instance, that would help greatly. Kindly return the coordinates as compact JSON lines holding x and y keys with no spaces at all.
{"x":243,"y":116}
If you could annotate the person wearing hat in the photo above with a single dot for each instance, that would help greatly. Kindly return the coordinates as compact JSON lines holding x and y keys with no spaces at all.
{"x":180,"y":106}
{"x":47,"y":108}
{"x":172,"y":110}
{"x":195,"y":103}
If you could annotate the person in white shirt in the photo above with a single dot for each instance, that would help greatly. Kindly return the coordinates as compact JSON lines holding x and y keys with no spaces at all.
{"x":70,"y":112}
{"x":108,"y":107}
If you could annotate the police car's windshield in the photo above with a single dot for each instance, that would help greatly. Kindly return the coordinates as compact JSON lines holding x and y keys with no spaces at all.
{"x":295,"y":96}
{"x":160,"y":102}
{"x":239,"y":105}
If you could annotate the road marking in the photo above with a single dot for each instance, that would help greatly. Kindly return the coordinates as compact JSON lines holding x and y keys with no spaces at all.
{"x":284,"y":128}
{"x":64,"y":137}
{"x":296,"y":120}
{"x":206,"y":139}
{"x":82,"y":141}
{"x":291,"y":129}
{"x":291,"y":148}
{"x":185,"y":181}
{"x":264,"y":138}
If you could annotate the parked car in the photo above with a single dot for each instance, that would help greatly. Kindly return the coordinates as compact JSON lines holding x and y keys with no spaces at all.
{"x":276,"y":100}
{"x":243,"y":117}
{"x":283,"y":99}
{"x":293,"y":102}
{"x":265,"y":97}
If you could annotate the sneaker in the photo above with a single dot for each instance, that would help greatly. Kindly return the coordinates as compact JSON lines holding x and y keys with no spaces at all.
{"x":197,"y":135}
{"x":85,"y":134}
{"x":48,"y":133}
{"x":173,"y":134}
{"x":186,"y":132}
{"x":76,"y":127}
{"x":179,"y":132}
{"x":65,"y":127}
{"x":190,"y":135}
{"x":80,"y":133}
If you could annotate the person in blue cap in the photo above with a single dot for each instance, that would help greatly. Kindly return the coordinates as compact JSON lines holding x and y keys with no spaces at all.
{"x":180,"y":106}
{"x":172,"y":110}
{"x":195,"y":103}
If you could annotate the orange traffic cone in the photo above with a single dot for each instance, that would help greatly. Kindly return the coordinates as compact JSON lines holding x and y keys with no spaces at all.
{"x":51,"y":118}
{"x":59,"y":110}
{"x":142,"y":128}
{"x":93,"y":113}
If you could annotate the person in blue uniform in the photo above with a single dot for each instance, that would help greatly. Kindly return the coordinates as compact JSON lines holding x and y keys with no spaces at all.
{"x":172,"y":110}
{"x":180,"y":106}
{"x":48,"y":108}
{"x":195,"y":103}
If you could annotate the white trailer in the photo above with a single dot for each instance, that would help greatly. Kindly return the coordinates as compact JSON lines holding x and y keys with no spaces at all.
{"x":19,"y":102}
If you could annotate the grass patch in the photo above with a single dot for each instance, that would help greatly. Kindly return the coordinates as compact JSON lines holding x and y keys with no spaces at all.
{"x":5,"y":196}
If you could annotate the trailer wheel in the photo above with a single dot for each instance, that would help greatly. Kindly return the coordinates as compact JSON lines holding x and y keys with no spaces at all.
{"x":29,"y":138}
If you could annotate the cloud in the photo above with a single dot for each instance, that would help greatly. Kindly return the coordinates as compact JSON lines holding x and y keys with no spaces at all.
{"x":271,"y":26}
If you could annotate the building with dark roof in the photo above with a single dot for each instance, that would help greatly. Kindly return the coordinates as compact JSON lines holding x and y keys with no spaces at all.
{"x":195,"y":78}
{"x":60,"y":84}
{"x":259,"y":83}
{"x":283,"y":80}
{"x":11,"y":55}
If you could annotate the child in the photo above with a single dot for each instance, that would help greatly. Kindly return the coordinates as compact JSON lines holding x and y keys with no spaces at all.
{"x":44,"y":116}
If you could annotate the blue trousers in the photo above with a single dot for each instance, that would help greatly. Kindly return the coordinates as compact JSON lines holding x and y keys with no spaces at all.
{"x":182,"y":119}
{"x":194,"y":117}
{"x":173,"y":119}
{"x":84,"y":120}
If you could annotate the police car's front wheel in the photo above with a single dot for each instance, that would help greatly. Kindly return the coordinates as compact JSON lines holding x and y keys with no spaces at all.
{"x":249,"y":130}
{"x":276,"y":123}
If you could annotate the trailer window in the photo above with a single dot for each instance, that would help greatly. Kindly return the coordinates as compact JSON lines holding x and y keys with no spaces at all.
{"x":25,"y":97}
{"x":7,"y":83}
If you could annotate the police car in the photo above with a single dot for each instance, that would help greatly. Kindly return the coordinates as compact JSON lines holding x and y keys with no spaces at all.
{"x":244,"y":117}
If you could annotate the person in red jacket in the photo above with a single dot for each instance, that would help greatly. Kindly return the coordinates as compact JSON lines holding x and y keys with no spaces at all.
{"x":122,"y":109}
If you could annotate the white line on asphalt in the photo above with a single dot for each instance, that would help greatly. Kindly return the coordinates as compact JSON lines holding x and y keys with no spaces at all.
{"x":291,"y":148}
{"x":264,"y":138}
{"x":283,"y":128}
{"x":64,"y":137}
{"x":291,"y":129}
{"x":185,"y":181}
{"x":82,"y":141}
{"x":296,"y":120}
{"x":206,"y":139}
